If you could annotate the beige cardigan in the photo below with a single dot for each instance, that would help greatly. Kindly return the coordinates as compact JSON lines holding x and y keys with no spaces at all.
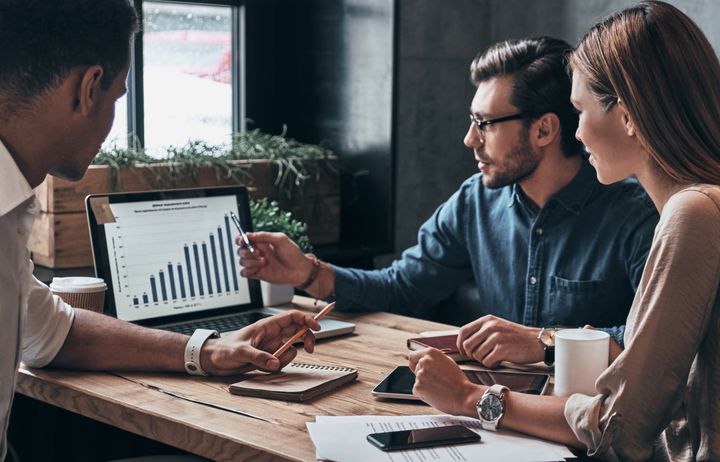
{"x":660,"y":399}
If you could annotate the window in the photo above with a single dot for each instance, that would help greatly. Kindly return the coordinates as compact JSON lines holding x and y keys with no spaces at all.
{"x":186,"y":76}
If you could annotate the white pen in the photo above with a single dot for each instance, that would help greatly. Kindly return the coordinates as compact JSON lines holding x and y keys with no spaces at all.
{"x":245,"y":239}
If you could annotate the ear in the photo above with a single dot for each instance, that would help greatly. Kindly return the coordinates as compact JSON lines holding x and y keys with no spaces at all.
{"x":625,"y":118}
{"x":546,"y":129}
{"x":88,"y":90}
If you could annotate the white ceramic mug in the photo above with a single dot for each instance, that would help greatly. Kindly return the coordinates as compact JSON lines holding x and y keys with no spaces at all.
{"x":581,"y":355}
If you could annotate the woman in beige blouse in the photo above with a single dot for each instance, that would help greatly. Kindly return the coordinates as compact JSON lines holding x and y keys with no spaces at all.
{"x":647,"y":85}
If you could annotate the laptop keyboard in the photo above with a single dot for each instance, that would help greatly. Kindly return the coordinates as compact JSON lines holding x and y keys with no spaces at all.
{"x":221,"y":324}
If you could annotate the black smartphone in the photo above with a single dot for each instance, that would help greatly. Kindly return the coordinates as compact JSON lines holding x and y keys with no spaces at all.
{"x":423,"y":438}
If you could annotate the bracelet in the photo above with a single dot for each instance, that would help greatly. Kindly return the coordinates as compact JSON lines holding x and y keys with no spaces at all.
{"x":313,"y":273}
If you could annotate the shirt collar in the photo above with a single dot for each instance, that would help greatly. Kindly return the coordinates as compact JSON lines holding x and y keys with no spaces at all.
{"x":14,"y":189}
{"x":574,"y":195}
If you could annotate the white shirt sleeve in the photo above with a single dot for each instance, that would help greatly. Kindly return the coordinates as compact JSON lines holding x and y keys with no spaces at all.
{"x":47,"y":322}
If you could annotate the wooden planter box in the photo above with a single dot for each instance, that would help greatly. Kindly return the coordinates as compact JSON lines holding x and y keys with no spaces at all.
{"x":60,"y":237}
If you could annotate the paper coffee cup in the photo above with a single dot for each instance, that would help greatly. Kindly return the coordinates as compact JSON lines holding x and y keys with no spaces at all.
{"x":581,"y":355}
{"x":81,"y":292}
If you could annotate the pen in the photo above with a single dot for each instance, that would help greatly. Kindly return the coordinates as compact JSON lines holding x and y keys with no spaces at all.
{"x":303,"y":331}
{"x":245,"y":239}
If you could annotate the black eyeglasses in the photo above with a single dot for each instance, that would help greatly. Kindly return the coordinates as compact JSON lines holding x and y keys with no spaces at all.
{"x":484,"y":123}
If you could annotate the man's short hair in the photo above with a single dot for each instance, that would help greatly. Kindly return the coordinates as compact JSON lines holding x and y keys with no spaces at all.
{"x":540,"y":80}
{"x":42,"y":40}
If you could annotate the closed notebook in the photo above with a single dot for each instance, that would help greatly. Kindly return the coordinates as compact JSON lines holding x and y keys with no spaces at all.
{"x":296,"y":382}
{"x":445,"y":343}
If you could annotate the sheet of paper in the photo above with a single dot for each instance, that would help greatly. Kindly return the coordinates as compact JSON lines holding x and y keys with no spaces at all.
{"x":343,"y":439}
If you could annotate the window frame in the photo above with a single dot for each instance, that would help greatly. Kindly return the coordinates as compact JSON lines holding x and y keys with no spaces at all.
{"x":136,"y":93}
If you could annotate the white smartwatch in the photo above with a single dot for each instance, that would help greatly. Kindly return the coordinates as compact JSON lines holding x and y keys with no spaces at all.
{"x":491,"y":407}
{"x":193,"y":347}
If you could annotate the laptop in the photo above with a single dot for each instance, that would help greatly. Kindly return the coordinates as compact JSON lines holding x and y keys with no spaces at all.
{"x":170,"y":262}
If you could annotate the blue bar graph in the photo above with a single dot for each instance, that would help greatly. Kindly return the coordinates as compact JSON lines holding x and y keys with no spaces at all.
{"x":215,"y":263}
{"x":208,"y":279}
{"x":197,"y":269}
{"x":182,"y":281}
{"x":172,"y":281}
{"x":222,"y":255}
{"x":161,"y":275}
{"x":195,"y":265}
{"x":153,"y":288}
{"x":189,"y":270}
{"x":230,"y":250}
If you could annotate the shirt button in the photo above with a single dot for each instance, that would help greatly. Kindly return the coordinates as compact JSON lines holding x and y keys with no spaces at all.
{"x":539,"y":231}
{"x":533,"y":280}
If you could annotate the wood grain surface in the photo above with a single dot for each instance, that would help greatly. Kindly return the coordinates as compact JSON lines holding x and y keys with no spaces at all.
{"x":135,"y":402}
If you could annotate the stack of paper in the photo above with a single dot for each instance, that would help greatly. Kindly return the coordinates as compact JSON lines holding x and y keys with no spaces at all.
{"x":343,"y":439}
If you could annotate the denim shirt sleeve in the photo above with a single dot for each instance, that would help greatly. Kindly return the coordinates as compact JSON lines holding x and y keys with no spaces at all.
{"x":424,"y":275}
{"x":638,"y":233}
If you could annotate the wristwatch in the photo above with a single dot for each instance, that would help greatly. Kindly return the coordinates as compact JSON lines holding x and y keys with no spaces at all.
{"x":193,"y":347}
{"x":491,"y":407}
{"x":547,"y":338}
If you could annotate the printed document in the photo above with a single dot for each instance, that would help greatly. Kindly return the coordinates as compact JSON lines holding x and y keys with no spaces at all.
{"x":343,"y":439}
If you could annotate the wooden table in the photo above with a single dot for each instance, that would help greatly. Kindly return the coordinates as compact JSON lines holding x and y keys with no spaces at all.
{"x":129,"y":401}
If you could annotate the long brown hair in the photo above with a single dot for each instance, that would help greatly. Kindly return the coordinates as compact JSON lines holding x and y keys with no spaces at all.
{"x":660,"y":64}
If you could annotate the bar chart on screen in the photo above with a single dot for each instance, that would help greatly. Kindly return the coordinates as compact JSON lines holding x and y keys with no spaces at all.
{"x":174,"y":256}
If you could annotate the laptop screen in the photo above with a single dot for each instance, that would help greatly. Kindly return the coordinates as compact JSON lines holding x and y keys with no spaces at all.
{"x":167,"y":255}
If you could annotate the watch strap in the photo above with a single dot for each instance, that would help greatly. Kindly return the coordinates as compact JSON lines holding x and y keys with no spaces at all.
{"x":193,"y":347}
{"x":499,"y":391}
{"x":549,"y":359}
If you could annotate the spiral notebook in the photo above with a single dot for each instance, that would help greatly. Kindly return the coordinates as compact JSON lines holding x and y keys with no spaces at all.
{"x":296,"y":382}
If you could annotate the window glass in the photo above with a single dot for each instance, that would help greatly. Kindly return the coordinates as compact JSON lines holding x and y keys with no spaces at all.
{"x":118,"y":133}
{"x":187,"y":77}
{"x":187,"y":74}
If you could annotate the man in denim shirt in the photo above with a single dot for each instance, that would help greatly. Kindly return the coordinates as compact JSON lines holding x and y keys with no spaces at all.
{"x":544,"y":243}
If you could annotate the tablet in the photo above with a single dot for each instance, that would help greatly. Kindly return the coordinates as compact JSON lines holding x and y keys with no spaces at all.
{"x":398,"y":384}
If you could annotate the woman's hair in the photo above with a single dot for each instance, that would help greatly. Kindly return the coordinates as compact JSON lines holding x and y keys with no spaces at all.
{"x":659,"y":63}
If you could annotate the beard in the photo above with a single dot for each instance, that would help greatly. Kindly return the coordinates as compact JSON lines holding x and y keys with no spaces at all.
{"x":517,"y":164}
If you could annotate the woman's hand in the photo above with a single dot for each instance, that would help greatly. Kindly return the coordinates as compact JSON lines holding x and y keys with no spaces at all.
{"x":442,"y":384}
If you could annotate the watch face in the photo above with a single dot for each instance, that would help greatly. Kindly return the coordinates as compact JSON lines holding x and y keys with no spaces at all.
{"x":491,"y":407}
{"x":547,"y":336}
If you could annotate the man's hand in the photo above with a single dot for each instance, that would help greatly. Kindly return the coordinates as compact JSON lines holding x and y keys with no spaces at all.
{"x":252,"y":347}
{"x":277,"y":259}
{"x":440,"y":383}
{"x":490,"y":340}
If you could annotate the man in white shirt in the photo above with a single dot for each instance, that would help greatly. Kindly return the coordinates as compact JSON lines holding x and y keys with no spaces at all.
{"x":63,"y":65}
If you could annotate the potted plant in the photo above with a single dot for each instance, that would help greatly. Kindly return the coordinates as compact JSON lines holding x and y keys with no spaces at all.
{"x":267,"y":216}
{"x":303,"y":178}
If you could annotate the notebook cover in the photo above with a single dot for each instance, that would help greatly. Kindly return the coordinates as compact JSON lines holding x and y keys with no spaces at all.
{"x":445,"y":343}
{"x":296,"y":382}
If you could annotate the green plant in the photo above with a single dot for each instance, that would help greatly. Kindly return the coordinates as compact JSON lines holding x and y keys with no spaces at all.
{"x":293,"y":159}
{"x":267,"y":216}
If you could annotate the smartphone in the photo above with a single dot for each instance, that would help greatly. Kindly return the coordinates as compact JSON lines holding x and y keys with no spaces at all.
{"x":398,"y":384}
{"x":423,"y":438}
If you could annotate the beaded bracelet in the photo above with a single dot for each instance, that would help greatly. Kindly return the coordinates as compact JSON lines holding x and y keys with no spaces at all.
{"x":313,"y":273}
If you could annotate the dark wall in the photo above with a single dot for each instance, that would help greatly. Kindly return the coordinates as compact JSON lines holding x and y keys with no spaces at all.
{"x":325,"y":69}
{"x":436,"y":41}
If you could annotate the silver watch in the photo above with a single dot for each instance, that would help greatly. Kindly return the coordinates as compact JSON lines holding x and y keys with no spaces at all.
{"x":491,"y":407}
